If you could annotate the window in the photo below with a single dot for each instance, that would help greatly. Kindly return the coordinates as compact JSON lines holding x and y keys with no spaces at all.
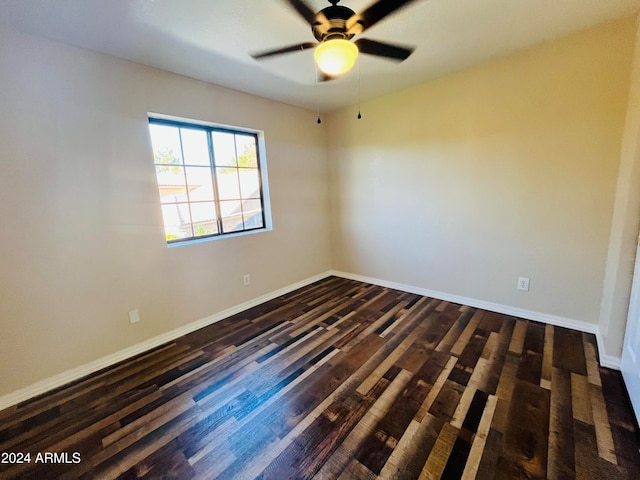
{"x":209,"y":179}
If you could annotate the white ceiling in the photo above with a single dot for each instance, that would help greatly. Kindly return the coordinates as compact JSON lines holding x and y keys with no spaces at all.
{"x":211,"y":39}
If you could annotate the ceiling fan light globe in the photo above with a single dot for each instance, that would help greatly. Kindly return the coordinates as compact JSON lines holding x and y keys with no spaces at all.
{"x":335,"y":57}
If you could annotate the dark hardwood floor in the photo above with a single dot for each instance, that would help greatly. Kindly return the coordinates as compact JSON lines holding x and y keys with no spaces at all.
{"x":339,"y":380}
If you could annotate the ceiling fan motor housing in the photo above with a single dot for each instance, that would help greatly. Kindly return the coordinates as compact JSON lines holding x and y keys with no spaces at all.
{"x":335,"y":25}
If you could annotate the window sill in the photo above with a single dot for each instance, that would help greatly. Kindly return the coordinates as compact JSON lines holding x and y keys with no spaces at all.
{"x":214,"y":238}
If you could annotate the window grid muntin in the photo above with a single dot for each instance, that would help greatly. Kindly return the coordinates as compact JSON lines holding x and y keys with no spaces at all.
{"x":186,"y":183}
{"x":209,"y":130}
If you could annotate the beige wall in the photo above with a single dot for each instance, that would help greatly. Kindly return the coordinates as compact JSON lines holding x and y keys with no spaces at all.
{"x":509,"y":169}
{"x":82,"y":241}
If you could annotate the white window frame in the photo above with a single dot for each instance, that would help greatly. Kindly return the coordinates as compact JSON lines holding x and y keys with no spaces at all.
{"x":160,"y":119}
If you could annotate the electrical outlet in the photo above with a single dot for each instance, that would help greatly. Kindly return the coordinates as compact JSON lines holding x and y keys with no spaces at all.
{"x":523,"y":284}
{"x":134,"y":316}
{"x":246,"y":279}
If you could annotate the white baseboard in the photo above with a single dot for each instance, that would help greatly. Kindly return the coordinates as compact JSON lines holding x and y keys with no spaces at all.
{"x":555,"y":320}
{"x":608,"y":361}
{"x":68,"y":376}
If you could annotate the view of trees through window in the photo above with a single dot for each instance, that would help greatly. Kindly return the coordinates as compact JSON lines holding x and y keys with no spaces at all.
{"x":208,"y":178}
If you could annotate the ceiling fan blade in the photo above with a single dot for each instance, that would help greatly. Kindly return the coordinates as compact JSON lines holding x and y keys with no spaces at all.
{"x":306,"y":12}
{"x":381,"y":49}
{"x":373,"y":14}
{"x":280,"y":51}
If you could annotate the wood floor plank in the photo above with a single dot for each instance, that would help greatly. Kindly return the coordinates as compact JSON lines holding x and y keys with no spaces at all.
{"x":446,"y":403}
{"x":480,"y":440}
{"x":397,"y":353}
{"x":411,"y":451}
{"x":560,"y":460}
{"x":493,"y":450}
{"x":459,"y":334}
{"x":580,"y":399}
{"x":621,"y":419}
{"x":591,"y":359}
{"x":439,"y":455}
{"x":547,"y":358}
{"x":317,"y":441}
{"x":391,"y":428}
{"x":504,"y":393}
{"x":589,"y":464}
{"x":351,"y":445}
{"x":468,"y":331}
{"x":604,"y":439}
{"x":517,"y":340}
{"x":527,"y":434}
{"x":341,"y":379}
{"x":495,"y":353}
{"x":568,"y":351}
{"x":434,"y":392}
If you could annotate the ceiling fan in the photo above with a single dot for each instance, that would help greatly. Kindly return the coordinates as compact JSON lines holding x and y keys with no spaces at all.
{"x":334,"y":27}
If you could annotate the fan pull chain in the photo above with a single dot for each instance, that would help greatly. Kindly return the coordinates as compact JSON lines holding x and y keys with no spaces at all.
{"x":315,"y":68}
{"x":359,"y":114}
